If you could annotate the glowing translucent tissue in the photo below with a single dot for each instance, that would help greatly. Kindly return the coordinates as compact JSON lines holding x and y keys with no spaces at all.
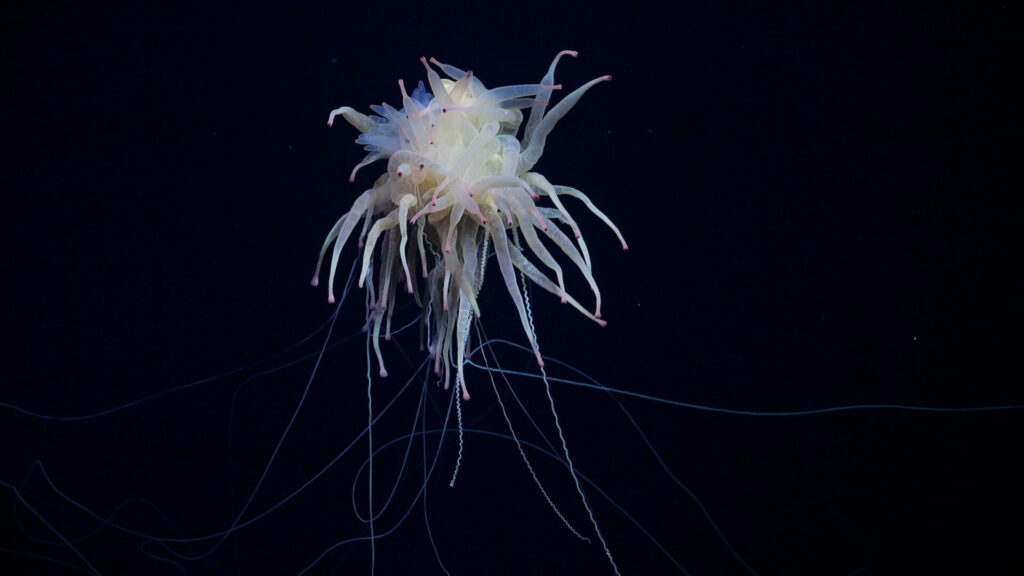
{"x":458,"y":180}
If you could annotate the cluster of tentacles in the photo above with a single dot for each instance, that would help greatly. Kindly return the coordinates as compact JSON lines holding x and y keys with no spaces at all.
{"x":459,"y":181}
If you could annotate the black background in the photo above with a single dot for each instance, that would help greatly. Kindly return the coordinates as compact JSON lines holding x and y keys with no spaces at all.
{"x":818,"y":202}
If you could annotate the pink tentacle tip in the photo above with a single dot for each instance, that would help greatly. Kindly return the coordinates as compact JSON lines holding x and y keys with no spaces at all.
{"x":330,"y":299}
{"x":314,"y":282}
{"x":465,"y":394}
{"x":383,"y":372}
